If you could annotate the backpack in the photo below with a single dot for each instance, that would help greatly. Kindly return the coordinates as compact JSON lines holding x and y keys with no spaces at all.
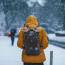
{"x":31,"y":42}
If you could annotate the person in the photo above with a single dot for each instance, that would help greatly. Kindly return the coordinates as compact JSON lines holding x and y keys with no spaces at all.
{"x":39,"y":59}
{"x":12,"y":35}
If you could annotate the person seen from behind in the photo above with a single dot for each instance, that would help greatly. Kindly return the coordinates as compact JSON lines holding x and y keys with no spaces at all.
{"x":12,"y":35}
{"x":33,"y":40}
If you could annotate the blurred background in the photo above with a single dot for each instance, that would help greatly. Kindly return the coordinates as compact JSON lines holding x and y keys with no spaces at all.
{"x":50,"y":15}
{"x":16,"y":11}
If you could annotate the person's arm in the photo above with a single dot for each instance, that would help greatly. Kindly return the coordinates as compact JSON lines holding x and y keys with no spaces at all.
{"x":44,"y":40}
{"x":20,"y":39}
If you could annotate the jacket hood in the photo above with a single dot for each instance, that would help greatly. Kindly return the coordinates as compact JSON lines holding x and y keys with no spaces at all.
{"x":31,"y":21}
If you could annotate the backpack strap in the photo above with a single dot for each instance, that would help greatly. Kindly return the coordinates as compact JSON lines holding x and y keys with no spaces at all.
{"x":36,"y":27}
{"x":32,"y":29}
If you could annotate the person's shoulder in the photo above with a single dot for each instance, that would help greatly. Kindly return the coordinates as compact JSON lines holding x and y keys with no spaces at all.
{"x":40,"y":28}
{"x":24,"y":28}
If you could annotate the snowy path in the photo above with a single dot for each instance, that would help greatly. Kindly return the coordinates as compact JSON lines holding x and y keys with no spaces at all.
{"x":12,"y":55}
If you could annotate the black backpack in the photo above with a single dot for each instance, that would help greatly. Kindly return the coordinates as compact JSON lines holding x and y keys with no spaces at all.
{"x":31,"y":42}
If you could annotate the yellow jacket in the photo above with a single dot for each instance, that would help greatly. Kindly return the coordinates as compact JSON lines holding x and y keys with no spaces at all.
{"x":32,"y":23}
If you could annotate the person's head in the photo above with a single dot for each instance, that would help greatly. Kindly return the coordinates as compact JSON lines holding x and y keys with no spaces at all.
{"x":31,"y":21}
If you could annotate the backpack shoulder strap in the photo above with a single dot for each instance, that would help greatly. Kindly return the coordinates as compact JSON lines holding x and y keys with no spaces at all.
{"x":32,"y":29}
{"x":36,"y":27}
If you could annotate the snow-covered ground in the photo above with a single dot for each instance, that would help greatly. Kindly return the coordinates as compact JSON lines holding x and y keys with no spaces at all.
{"x":53,"y":37}
{"x":11,"y":55}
